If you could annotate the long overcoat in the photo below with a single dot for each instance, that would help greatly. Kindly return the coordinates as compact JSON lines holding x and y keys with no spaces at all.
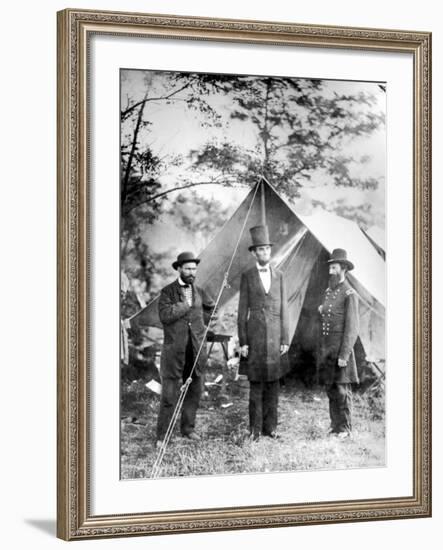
{"x":338,"y":334}
{"x":263,"y":325}
{"x":181,"y":322}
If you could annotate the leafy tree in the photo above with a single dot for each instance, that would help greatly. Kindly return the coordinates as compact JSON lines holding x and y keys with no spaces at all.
{"x":300,"y":128}
{"x":142,"y":195}
{"x":198,"y":215}
{"x":140,"y":166}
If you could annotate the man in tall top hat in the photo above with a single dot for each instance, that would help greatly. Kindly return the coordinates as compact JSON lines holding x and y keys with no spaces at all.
{"x":263,"y":333}
{"x":339,"y":331}
{"x":184,"y":310}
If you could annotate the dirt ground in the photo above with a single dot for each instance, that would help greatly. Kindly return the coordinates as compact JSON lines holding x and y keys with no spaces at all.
{"x":222,"y":423}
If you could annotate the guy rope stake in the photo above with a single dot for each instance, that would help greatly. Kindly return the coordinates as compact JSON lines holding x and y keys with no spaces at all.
{"x":156,"y":468}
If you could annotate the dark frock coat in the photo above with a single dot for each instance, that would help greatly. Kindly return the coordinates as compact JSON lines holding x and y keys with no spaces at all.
{"x":181,"y":322}
{"x":263,"y":325}
{"x":338,"y":334}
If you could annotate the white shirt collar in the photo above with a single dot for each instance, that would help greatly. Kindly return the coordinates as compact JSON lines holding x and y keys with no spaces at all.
{"x":267,"y":266}
{"x":181,"y":282}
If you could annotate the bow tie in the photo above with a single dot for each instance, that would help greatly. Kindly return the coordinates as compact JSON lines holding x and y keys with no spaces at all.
{"x":186,"y":286}
{"x":263,"y":269}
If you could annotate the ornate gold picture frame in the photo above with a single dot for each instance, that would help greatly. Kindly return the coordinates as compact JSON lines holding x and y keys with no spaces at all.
{"x":75,"y":516}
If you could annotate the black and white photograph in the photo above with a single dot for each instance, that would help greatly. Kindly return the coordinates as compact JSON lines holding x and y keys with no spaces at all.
{"x":252,"y":274}
{"x":221,"y":216}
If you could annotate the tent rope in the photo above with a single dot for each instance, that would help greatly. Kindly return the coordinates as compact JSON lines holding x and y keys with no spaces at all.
{"x":156,"y":468}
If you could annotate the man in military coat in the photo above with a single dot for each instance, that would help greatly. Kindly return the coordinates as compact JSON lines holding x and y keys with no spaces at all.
{"x":184,"y":309}
{"x":339,"y":331}
{"x":263,"y":334}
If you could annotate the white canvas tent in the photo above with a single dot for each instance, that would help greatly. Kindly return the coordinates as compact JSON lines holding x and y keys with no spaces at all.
{"x":302,"y":245}
{"x":377,"y":238}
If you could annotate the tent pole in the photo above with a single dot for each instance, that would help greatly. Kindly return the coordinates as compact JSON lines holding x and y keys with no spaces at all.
{"x":263,"y":203}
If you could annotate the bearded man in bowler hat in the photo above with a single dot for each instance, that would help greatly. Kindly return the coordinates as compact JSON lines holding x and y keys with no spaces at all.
{"x":339,"y":332}
{"x":263,"y":334}
{"x":184,"y":310}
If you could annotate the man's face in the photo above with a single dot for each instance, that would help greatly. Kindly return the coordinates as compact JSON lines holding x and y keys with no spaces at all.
{"x":187,"y":272}
{"x":262,"y":254}
{"x":336,"y":274}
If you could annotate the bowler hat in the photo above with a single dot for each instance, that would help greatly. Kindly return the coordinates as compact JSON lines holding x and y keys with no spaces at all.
{"x":339,"y":256}
{"x":259,"y":236}
{"x":183,"y":258}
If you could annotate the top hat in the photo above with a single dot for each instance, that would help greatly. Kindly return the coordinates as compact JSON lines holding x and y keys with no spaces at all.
{"x":259,"y":236}
{"x":339,"y":256}
{"x":183,"y":258}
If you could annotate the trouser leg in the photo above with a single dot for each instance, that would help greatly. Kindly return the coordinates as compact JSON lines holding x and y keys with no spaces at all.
{"x":333,"y":410}
{"x":168,"y":400}
{"x":190,"y":405}
{"x":193,"y":394}
{"x":255,"y":407}
{"x":270,"y":406}
{"x":340,"y":407}
{"x":344,"y":407}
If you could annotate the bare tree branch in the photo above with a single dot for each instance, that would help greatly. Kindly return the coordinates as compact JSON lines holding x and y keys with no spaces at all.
{"x":173,"y":189}
{"x":126,"y":112}
{"x":133,"y":147}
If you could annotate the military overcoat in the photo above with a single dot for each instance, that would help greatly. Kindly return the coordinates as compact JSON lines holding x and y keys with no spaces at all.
{"x":181,"y":322}
{"x":338,"y":334}
{"x":263,"y":324}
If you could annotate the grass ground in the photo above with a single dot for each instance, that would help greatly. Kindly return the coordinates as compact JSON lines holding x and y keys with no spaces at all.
{"x":222,"y":422}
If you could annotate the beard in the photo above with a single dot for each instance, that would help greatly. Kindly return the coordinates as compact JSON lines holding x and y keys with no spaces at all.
{"x":262,"y":262}
{"x":188,"y":279}
{"x":334,"y":280}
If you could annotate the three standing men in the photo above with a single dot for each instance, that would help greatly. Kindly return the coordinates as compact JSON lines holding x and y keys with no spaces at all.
{"x":263,"y":334}
{"x":184,"y":310}
{"x":339,"y":331}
